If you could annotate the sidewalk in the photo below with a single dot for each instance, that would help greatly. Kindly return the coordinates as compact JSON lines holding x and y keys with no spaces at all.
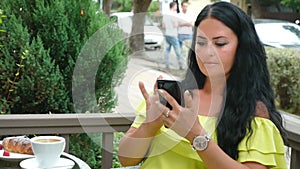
{"x":146,"y":69}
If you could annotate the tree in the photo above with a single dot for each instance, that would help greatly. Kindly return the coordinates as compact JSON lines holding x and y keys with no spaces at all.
{"x":140,"y":7}
{"x":137,"y":33}
{"x":107,"y":6}
{"x":30,"y":80}
{"x":255,"y":9}
{"x":64,"y":27}
{"x":257,"y":6}
{"x":49,"y":40}
{"x":293,"y":4}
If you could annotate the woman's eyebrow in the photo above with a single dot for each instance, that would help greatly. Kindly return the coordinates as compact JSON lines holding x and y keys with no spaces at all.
{"x":214,"y":38}
{"x":201,"y":37}
{"x":218,"y":37}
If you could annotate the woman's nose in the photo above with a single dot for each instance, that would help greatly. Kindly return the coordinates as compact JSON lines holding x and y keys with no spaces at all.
{"x":210,"y":50}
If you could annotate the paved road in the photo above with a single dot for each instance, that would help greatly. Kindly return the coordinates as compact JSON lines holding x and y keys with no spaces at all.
{"x":145,"y":68}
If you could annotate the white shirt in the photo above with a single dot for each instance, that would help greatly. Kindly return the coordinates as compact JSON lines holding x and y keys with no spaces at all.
{"x":170,"y":21}
{"x":185,"y":18}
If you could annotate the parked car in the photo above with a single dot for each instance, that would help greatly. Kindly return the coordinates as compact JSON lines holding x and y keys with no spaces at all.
{"x":278,"y":33}
{"x":153,"y":36}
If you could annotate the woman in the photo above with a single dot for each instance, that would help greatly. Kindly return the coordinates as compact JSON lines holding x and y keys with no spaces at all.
{"x":238,"y":125}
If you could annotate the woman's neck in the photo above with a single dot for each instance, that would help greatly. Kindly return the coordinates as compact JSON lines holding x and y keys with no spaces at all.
{"x":214,"y":86}
{"x":212,"y":97}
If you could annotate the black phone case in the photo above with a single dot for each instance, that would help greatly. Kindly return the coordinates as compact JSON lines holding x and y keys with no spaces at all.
{"x":174,"y":88}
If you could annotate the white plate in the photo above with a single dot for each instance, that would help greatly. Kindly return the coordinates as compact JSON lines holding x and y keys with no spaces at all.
{"x":31,"y":163}
{"x":14,"y":156}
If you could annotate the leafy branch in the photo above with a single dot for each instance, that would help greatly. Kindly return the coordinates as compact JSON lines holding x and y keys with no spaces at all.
{"x":1,"y":17}
{"x":12,"y":83}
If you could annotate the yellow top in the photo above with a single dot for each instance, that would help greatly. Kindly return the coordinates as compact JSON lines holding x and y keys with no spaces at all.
{"x":171,"y":151}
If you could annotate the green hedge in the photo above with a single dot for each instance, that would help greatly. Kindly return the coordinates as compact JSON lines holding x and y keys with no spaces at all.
{"x":284,"y":66}
{"x":54,"y":34}
{"x":43,"y":44}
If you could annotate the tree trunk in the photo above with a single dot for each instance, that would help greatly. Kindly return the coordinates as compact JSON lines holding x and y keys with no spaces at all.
{"x":107,"y":7}
{"x":255,"y":9}
{"x":278,"y":6}
{"x":137,"y":32}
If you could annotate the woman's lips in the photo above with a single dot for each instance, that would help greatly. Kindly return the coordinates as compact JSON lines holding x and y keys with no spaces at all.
{"x":210,"y":64}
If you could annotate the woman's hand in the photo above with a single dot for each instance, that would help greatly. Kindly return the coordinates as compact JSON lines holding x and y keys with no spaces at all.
{"x":154,"y":113}
{"x":134,"y":145}
{"x":183,"y":120}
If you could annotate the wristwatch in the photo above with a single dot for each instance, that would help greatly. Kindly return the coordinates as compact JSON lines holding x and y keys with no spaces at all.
{"x":200,"y":143}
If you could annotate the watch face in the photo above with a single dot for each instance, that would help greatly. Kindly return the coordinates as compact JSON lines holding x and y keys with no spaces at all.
{"x":200,"y":143}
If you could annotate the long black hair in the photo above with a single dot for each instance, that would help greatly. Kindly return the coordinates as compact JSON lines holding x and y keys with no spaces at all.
{"x":248,"y":82}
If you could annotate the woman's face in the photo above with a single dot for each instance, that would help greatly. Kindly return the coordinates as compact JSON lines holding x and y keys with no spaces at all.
{"x":215,"y":47}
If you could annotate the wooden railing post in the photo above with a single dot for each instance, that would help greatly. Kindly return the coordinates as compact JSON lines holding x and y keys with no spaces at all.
{"x":67,"y":138}
{"x":295,"y":159}
{"x":292,"y":126}
{"x":107,"y":150}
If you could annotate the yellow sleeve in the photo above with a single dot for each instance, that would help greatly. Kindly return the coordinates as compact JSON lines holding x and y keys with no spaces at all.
{"x":264,"y":146}
{"x":140,"y":115}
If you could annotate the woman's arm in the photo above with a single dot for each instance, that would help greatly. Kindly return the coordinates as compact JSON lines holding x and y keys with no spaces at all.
{"x":215,"y":158}
{"x":134,"y":145}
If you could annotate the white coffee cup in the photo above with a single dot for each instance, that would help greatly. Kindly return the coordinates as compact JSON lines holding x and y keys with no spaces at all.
{"x":47,"y":149}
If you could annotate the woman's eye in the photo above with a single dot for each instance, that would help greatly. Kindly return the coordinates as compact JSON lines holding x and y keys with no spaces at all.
{"x":221,"y":43}
{"x":200,"y":43}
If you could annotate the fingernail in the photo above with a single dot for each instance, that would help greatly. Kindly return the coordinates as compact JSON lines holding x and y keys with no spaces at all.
{"x":160,"y":91}
{"x":188,"y":92}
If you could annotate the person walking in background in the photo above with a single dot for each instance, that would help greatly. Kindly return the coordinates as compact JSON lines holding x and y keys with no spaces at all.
{"x":229,"y":119}
{"x":185,"y":29}
{"x":170,"y":25}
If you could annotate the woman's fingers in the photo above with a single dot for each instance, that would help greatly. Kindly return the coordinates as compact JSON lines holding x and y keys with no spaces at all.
{"x":143,"y":90}
{"x":158,"y":78}
{"x":188,"y":99}
{"x":169,"y":99}
{"x":181,"y":119}
{"x":145,"y":94}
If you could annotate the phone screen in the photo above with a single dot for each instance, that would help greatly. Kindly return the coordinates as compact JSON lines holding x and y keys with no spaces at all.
{"x":173,"y":87}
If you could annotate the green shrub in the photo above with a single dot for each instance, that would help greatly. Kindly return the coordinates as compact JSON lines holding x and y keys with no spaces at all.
{"x":30,"y":80}
{"x":284,"y":66}
{"x":41,"y":86}
{"x":4,"y":106}
{"x":46,"y":43}
{"x":64,"y":28}
{"x":88,"y":148}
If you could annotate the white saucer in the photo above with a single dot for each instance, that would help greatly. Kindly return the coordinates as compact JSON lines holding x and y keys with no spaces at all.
{"x":31,"y":163}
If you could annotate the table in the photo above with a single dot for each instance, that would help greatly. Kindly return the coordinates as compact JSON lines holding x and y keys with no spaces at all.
{"x":79,"y":164}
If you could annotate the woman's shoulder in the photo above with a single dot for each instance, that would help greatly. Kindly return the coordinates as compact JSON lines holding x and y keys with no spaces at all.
{"x":261,"y":124}
{"x":263,"y":144}
{"x":264,"y":136}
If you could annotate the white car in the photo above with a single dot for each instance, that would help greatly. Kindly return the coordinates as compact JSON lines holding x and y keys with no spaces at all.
{"x":153,"y":36}
{"x":278,"y":33}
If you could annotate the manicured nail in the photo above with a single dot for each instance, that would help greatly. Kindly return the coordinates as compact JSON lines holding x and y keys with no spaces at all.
{"x":160,"y":91}
{"x":189,"y":93}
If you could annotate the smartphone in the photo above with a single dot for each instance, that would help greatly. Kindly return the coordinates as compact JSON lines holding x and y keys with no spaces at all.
{"x":174,"y":88}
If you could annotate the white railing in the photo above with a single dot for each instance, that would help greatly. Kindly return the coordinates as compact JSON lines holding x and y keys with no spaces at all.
{"x":108,"y":123}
